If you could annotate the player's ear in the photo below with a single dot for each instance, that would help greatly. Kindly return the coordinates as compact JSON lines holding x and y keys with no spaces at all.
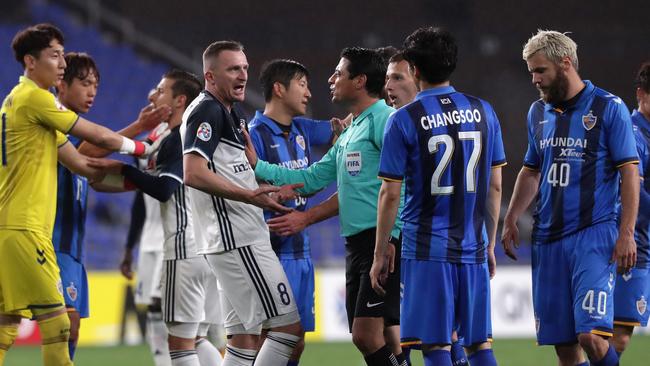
{"x":639,"y":94}
{"x":279,"y":89}
{"x":180,"y":100}
{"x":29,"y":61}
{"x":209,"y":77}
{"x":360,"y":81}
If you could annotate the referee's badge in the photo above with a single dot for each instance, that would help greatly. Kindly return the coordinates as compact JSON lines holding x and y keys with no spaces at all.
{"x":300,"y":140}
{"x":71,"y":291}
{"x":641,"y":305}
{"x":353,"y":163}
{"x":204,"y":132}
{"x":589,"y":121}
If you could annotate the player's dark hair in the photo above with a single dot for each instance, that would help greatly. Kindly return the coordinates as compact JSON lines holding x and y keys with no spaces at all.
{"x":185,"y":83}
{"x":365,"y":61}
{"x":215,"y":48}
{"x":32,"y":40}
{"x":280,"y":71}
{"x":643,"y":77}
{"x":386,"y":52}
{"x":79,"y":65}
{"x":433,"y":51}
{"x":397,"y":57}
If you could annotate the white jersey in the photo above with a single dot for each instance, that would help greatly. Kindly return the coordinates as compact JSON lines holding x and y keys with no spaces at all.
{"x":151,"y":239}
{"x":209,"y":130}
{"x":176,"y":212}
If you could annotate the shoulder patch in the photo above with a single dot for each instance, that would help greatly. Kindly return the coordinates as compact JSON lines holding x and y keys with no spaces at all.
{"x":204,"y":132}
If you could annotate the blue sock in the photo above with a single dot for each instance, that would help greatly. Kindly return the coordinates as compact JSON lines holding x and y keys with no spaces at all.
{"x":292,"y":363}
{"x":458,"y":356}
{"x":72,"y":347}
{"x":484,"y":357}
{"x":610,"y":359}
{"x":406,"y":353}
{"x":438,"y":357}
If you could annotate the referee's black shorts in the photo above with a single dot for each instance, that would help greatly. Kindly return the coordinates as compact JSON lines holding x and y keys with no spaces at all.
{"x":360,"y":299}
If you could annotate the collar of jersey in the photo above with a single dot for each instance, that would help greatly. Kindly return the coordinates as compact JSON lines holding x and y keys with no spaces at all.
{"x":25,"y":80}
{"x":640,"y":121}
{"x":260,"y":118}
{"x":435,"y":91}
{"x":375,"y":107}
{"x":586,"y":94}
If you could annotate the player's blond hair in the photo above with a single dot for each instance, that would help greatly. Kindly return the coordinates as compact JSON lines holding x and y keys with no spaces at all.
{"x":554,"y":45}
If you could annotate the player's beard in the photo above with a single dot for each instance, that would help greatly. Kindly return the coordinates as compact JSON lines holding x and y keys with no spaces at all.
{"x":556,"y":92}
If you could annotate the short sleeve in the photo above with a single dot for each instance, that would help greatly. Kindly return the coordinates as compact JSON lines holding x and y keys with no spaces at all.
{"x":394,"y":153}
{"x":531,"y":159}
{"x":620,"y":135}
{"x":319,"y":131}
{"x":204,"y":128}
{"x":61,"y":139}
{"x":498,"y":152}
{"x":45,"y":109}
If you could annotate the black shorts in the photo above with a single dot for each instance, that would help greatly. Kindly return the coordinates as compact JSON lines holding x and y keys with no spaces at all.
{"x":360,"y":299}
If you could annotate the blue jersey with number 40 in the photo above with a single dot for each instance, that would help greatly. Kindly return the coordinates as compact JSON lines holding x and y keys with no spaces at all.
{"x":578,"y":152}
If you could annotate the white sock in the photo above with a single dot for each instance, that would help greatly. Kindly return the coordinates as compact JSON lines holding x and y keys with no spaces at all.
{"x":238,"y":356}
{"x":208,"y":354}
{"x":185,"y":357}
{"x":277,"y":349}
{"x":157,"y":339}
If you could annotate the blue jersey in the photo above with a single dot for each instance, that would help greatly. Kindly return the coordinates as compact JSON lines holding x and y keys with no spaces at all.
{"x":293,"y":151}
{"x":642,"y":135}
{"x":70,"y":222}
{"x":578,"y":152}
{"x":443,"y":145}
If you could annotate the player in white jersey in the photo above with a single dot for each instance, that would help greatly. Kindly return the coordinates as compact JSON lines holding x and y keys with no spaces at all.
{"x":256,"y":293}
{"x":190,"y":299}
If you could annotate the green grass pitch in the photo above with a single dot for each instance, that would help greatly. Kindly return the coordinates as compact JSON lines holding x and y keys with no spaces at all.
{"x":508,"y":352}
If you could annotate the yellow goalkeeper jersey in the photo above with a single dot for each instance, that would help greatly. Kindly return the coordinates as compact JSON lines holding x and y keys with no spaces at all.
{"x":30,"y":117}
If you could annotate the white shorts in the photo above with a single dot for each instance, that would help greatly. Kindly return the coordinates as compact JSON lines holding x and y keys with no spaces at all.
{"x":185,"y":282}
{"x":148,"y":283}
{"x":255,"y":289}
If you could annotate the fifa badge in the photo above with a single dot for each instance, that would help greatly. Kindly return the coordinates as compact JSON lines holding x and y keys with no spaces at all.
{"x":71,"y":291}
{"x":353,"y":163}
{"x":641,"y":305}
{"x":589,"y":121}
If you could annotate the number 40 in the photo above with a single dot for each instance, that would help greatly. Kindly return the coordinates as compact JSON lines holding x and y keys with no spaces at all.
{"x":588,"y":302}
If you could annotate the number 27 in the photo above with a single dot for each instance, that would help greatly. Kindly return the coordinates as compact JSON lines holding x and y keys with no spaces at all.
{"x":470,"y":172}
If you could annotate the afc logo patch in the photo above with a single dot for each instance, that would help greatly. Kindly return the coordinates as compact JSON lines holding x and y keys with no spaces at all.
{"x":300,"y":140}
{"x":59,"y":106}
{"x":641,"y":305}
{"x":71,"y":291}
{"x":589,"y":121}
{"x":204,"y":132}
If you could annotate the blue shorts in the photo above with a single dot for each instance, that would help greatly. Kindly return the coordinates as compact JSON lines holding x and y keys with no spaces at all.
{"x":573,"y":285}
{"x":631,"y":298}
{"x":440,"y":297}
{"x":300,"y":273}
{"x":74,"y":282}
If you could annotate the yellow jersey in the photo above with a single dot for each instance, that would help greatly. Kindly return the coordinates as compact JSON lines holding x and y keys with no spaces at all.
{"x":30,"y":117}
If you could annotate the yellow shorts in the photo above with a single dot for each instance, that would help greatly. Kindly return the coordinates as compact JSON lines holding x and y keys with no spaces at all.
{"x":29,"y":275}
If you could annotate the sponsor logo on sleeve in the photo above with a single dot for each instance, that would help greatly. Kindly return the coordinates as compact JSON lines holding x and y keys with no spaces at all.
{"x":204,"y":132}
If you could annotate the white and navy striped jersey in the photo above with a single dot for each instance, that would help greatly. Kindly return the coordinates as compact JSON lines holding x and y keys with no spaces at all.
{"x":213,"y":132}
{"x":151,"y":239}
{"x":176,"y":212}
